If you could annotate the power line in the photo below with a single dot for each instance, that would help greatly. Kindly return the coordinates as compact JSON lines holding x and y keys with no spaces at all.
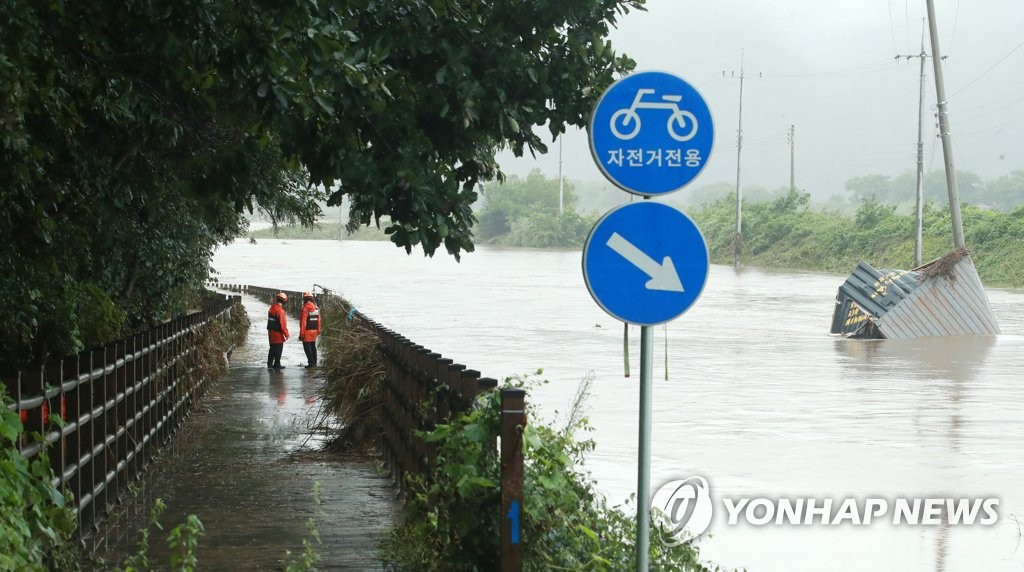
{"x":994,"y":111}
{"x":993,"y":128}
{"x":856,"y":69}
{"x":956,"y":18}
{"x":892,"y":26}
{"x":906,"y":20}
{"x":1001,"y":60}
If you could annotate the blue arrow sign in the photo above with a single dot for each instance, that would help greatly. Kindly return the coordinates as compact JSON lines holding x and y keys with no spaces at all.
{"x":651,"y":133}
{"x":645,"y":263}
{"x":513,"y":515}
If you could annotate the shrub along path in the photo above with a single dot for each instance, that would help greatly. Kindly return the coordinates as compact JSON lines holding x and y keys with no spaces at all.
{"x":247,"y":464}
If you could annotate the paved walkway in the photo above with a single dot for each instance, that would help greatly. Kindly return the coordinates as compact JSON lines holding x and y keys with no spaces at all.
{"x":247,"y":465}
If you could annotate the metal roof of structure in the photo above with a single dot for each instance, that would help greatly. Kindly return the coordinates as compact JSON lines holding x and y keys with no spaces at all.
{"x":942,"y":298}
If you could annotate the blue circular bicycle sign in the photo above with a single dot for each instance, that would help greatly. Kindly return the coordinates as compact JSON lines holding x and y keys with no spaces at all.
{"x":651,"y":133}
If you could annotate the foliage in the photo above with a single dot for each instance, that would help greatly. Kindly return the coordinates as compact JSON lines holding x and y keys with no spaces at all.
{"x":1005,"y":193}
{"x":36,"y":519}
{"x":453,"y":513}
{"x":183,"y":540}
{"x":785,"y":233}
{"x":320,"y":231}
{"x":525,"y":212}
{"x":133,"y":135}
{"x":902,"y":189}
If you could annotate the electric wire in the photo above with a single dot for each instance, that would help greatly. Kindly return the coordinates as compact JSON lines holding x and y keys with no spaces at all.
{"x":973,"y":117}
{"x":994,"y":127}
{"x":892,"y":26}
{"x":984,"y":73}
{"x":906,"y":19}
{"x":856,"y":69}
{"x":956,"y":19}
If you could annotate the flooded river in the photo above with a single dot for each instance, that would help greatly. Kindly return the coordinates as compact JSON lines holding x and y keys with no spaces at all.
{"x":759,"y":399}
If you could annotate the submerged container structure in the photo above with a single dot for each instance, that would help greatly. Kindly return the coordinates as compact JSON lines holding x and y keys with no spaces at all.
{"x":944,"y":297}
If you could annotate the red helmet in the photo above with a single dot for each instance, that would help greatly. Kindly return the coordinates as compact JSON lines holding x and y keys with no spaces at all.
{"x":282,"y":296}
{"x":307,"y":294}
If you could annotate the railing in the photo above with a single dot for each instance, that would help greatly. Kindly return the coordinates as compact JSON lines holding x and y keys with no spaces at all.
{"x":422,"y":390}
{"x":118,"y":403}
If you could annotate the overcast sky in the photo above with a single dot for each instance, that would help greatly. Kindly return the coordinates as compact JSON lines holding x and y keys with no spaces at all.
{"x":828,"y":68}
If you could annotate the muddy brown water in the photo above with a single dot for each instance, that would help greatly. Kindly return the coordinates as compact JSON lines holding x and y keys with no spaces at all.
{"x":759,"y":399}
{"x":249,"y":464}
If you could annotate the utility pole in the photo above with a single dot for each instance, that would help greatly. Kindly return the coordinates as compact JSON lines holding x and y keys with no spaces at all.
{"x":341,"y":221}
{"x":561,"y":201}
{"x":919,"y":193}
{"x":737,"y":244}
{"x":791,"y":139}
{"x":947,"y":142}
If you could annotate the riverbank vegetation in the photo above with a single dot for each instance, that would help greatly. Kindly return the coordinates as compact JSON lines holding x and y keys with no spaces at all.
{"x":785,"y":230}
{"x":452,"y":516}
{"x":787,"y":233}
{"x":323,"y":230}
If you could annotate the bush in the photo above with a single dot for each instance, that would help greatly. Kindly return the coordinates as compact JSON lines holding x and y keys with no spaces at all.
{"x":36,"y":519}
{"x":453,"y":513}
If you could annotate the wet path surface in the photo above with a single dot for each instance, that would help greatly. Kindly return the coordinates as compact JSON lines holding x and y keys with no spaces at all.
{"x":248,"y":464}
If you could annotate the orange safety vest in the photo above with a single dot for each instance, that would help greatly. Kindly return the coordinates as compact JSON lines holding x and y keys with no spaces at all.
{"x":309,"y":322}
{"x":277,"y":324}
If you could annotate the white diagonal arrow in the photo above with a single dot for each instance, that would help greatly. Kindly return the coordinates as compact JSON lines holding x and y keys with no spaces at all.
{"x":663,"y":276}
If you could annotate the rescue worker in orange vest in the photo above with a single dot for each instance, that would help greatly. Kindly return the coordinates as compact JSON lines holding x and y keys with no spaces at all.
{"x":277,"y":330}
{"x":309,"y":327}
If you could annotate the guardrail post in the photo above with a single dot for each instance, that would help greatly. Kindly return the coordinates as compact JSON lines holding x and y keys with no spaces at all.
{"x":513,"y":421}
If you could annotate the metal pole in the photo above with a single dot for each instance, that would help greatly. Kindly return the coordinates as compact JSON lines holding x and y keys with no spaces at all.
{"x":947,"y":142}
{"x":738,"y":239}
{"x":513,"y":420}
{"x":560,"y":195}
{"x":792,"y":157}
{"x":919,"y":208}
{"x":643,"y":485}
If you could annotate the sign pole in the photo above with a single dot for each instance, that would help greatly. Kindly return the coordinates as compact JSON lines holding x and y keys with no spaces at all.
{"x":643,"y":485}
{"x":646,"y":263}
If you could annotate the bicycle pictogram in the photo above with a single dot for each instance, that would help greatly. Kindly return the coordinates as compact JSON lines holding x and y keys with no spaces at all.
{"x":628,"y":119}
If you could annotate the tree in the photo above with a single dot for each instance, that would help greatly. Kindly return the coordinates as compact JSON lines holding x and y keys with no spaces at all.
{"x":524,"y":212}
{"x":866,"y":187}
{"x":134,"y":134}
{"x":1005,"y":193}
{"x":903,"y":188}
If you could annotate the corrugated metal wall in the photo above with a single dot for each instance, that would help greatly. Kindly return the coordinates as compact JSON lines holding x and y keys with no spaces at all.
{"x":942,"y":298}
{"x":953,"y":305}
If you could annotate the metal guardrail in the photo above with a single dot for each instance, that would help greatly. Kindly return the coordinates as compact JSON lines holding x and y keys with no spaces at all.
{"x":118,"y":404}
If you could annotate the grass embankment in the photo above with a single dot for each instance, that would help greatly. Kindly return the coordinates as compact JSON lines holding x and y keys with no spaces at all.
{"x":322,"y":231}
{"x":786,"y":234}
